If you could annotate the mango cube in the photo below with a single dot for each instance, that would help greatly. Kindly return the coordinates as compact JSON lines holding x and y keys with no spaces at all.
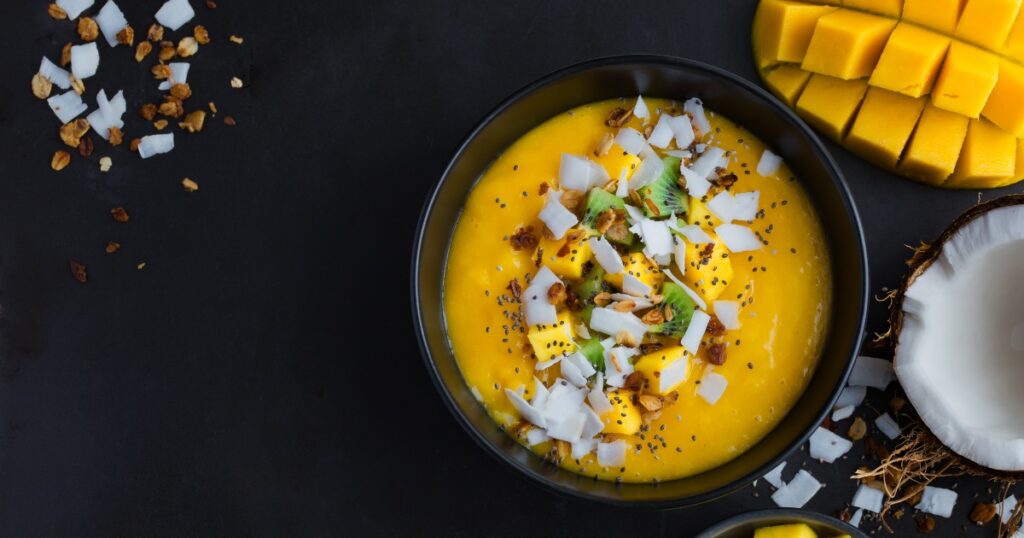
{"x":564,"y":256}
{"x":846,"y":44}
{"x":829,"y":104}
{"x":783,"y":30}
{"x":708,"y":270}
{"x":786,"y":82}
{"x":941,"y":15}
{"x":935,"y":145}
{"x":966,"y":80}
{"x":1018,"y":172}
{"x":549,"y":341}
{"x":987,"y":23}
{"x":617,"y":160}
{"x":883,"y":125}
{"x":910,"y":60}
{"x":624,"y":417}
{"x":794,"y":530}
{"x":889,"y":8}
{"x":664,"y":370}
{"x":988,"y":158}
{"x":1005,"y":106}
{"x":1014,"y":46}
{"x":640,"y":267}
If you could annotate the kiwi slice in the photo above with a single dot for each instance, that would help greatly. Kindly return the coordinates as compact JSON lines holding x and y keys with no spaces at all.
{"x":594,"y":352}
{"x":682,"y":306}
{"x":599,"y":201}
{"x":663,"y":196}
{"x":588,"y":288}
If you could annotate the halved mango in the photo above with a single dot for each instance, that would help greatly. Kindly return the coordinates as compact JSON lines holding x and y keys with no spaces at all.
{"x":941,"y":15}
{"x":935,"y":145}
{"x":785,"y":30}
{"x":787,"y":82}
{"x":1004,"y":106}
{"x":889,"y":8}
{"x":987,"y":23}
{"x":846,"y":44}
{"x":910,"y":60}
{"x":883,"y":126}
{"x":829,"y":104}
{"x":987,"y":160}
{"x":966,"y":80}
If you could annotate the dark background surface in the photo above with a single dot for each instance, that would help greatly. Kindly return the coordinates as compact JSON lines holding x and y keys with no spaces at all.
{"x":259,"y":375}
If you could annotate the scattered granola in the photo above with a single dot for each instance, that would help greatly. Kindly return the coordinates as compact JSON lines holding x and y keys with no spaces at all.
{"x":161,"y":71}
{"x":181,"y":91}
{"x":65,"y":55}
{"x":61,"y":160}
{"x":115,"y":136}
{"x":56,"y":12}
{"x":155,"y":33}
{"x":160,"y":124}
{"x":229,"y":121}
{"x":172,"y":107}
{"x":201,"y":35}
{"x":88,"y":30}
{"x":112,"y":247}
{"x":78,"y":85}
{"x":167,"y":51}
{"x":148,"y":111}
{"x":127,"y":36}
{"x":982,"y":513}
{"x":78,"y":271}
{"x":236,"y":39}
{"x":213,"y":107}
{"x":618,"y":117}
{"x":188,"y":46}
{"x":143,"y":50}
{"x":71,"y":133}
{"x":119,"y":214}
{"x":85,"y":147}
{"x":236,"y":82}
{"x":105,"y":164}
{"x":41,"y":86}
{"x":189,"y":185}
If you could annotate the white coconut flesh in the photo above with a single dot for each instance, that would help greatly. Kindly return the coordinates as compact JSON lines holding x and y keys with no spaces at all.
{"x":960,"y":356}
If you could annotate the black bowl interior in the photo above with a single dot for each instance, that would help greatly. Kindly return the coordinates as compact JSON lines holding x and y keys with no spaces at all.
{"x":665,"y":77}
{"x":744,"y":525}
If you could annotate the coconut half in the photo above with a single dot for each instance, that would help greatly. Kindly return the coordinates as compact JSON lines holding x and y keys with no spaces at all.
{"x":958,"y":328}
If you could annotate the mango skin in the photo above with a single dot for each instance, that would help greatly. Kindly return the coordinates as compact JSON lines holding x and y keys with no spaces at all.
{"x":959,"y":63}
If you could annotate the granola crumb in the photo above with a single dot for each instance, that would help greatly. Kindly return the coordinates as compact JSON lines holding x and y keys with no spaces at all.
{"x":78,"y":271}
{"x":61,"y":160}
{"x":213,"y":107}
{"x":161,"y":71}
{"x":155,"y":33}
{"x":201,"y":34}
{"x":189,"y":185}
{"x":141,"y":266}
{"x":134,"y":145}
{"x":112,"y":247}
{"x":78,"y":85}
{"x":41,"y":86}
{"x":236,"y":82}
{"x":119,"y":214}
{"x":236,"y":39}
{"x":143,"y":50}
{"x":85,"y":147}
{"x":211,"y":4}
{"x":188,"y":46}
{"x":181,"y":90}
{"x":65,"y":55}
{"x":126,"y":36}
{"x":88,"y":30}
{"x":148,"y":111}
{"x":167,"y":52}
{"x":106,"y":163}
{"x":115,"y":136}
{"x":56,"y":12}
{"x":229,"y":121}
{"x":160,"y":124}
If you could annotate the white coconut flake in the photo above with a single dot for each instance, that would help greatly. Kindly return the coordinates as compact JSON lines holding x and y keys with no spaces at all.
{"x":592,"y":423}
{"x":774,"y":477}
{"x":572,"y":374}
{"x":537,"y":436}
{"x":630,"y":140}
{"x":871,"y":372}
{"x":827,"y":446}
{"x":563,"y":403}
{"x":74,"y":8}
{"x":745,"y":206}
{"x":635,"y":287}
{"x":696,"y":184}
{"x":175,"y":13}
{"x":682,"y":128}
{"x":709,"y":162}
{"x":712,"y":387}
{"x":721,"y":206}
{"x":55,"y":74}
{"x":887,"y":425}
{"x":673,"y":374}
{"x":583,"y":447}
{"x":728,"y":312}
{"x":179,"y":75}
{"x":606,"y":255}
{"x":937,"y":501}
{"x":544,"y":365}
{"x":856,"y":517}
{"x":695,"y":331}
{"x":738,"y":238}
{"x":617,"y":365}
{"x":569,"y":429}
{"x":640,"y":109}
{"x":611,"y":454}
{"x":851,"y":397}
{"x":67,"y":106}
{"x":581,"y":363}
{"x":155,"y":145}
{"x":85,"y":60}
{"x":843,"y":413}
{"x":681,"y":153}
{"x":1006,"y":508}
{"x":577,"y":173}
{"x":598,"y":399}
{"x":693,"y":295}
{"x":649,"y":170}
{"x":657,"y":237}
{"x":868,"y":498}
{"x":524,"y":408}
{"x":662,"y":134}
{"x":798,"y":492}
{"x":695,"y":234}
{"x":556,"y":217}
{"x":540,"y":313}
{"x":769,"y":164}
{"x":611,"y":322}
{"x":696,"y":109}
{"x":111,"y":20}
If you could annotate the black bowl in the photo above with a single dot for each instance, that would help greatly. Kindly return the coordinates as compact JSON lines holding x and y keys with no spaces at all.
{"x":744,"y":525}
{"x":656,"y":76}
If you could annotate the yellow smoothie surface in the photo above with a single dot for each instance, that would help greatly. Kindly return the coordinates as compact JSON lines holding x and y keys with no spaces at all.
{"x":638,"y":290}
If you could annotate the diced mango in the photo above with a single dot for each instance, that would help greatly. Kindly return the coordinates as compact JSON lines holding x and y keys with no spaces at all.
{"x":1014,"y":47}
{"x":910,"y":60}
{"x":549,"y":341}
{"x":793,"y":530}
{"x":889,"y":8}
{"x":564,"y":256}
{"x":617,"y":160}
{"x":786,"y":82}
{"x":829,"y":104}
{"x":883,"y":125}
{"x":642,"y":268}
{"x":987,"y":23}
{"x":707,"y":273}
{"x":624,"y":417}
{"x":846,"y":44}
{"x":664,"y":370}
{"x":700,"y":215}
{"x":1005,"y":106}
{"x":965,"y":80}
{"x":783,"y":30}
{"x":935,"y":145}
{"x":941,"y":15}
{"x":988,"y":158}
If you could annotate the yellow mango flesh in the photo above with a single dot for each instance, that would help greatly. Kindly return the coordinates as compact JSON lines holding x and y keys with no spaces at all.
{"x":616,"y":161}
{"x":794,"y":530}
{"x":883,"y":126}
{"x":965,"y":57}
{"x":829,"y":104}
{"x":846,"y":44}
{"x":910,"y":61}
{"x":564,"y":257}
{"x":640,"y":267}
{"x":624,"y":417}
{"x":653,"y":364}
{"x":709,"y":275}
{"x":787,"y":29}
{"x":935,"y":145}
{"x":549,"y":341}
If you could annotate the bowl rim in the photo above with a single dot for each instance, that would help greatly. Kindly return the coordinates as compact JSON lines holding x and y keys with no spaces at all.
{"x":779,"y":513}
{"x":727,"y":77}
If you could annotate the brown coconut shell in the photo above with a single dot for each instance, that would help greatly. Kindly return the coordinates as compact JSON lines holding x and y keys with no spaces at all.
{"x":921,"y":260}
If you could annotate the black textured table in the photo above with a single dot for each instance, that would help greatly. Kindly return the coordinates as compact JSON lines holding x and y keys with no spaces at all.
{"x":259,"y":375}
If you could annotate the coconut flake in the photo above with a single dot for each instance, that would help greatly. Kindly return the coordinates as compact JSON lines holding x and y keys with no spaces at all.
{"x":524,"y":408}
{"x":630,"y":140}
{"x":709,"y":162}
{"x":712,"y":387}
{"x":155,"y":145}
{"x":55,"y":74}
{"x":175,"y":13}
{"x":1006,"y":508}
{"x":640,"y":109}
{"x":681,"y":153}
{"x":617,"y":365}
{"x":611,"y":322}
{"x":556,"y":217}
{"x":695,"y":234}
{"x":570,"y":428}
{"x":856,"y":517}
{"x":693,"y":295}
{"x":108,"y":114}
{"x":871,"y":372}
{"x":67,"y":106}
{"x":581,"y":363}
{"x":843,"y":413}
{"x":887,"y":425}
{"x":572,"y":374}
{"x":657,"y":237}
{"x":635,"y":287}
{"x":611,"y":454}
{"x":851,"y":397}
{"x":597,"y":398}
{"x":774,"y":477}
{"x":563,"y":404}
{"x":738,"y":238}
{"x":696,"y":109}
{"x":682,"y":128}
{"x":827,"y":446}
{"x":649,"y":170}
{"x":583,"y":446}
{"x":662,"y":134}
{"x":728,"y":312}
{"x":868,"y":498}
{"x":696,"y":184}
{"x":606,"y":255}
{"x":179,"y":75}
{"x":798,"y":491}
{"x":111,"y":20}
{"x":937,"y":501}
{"x":769,"y":164}
{"x":537,"y":436}
{"x":74,"y":8}
{"x":745,"y":206}
{"x":592,"y":423}
{"x":695,"y":331}
{"x":721,"y":206}
{"x":85,"y":60}
{"x":540,"y":313}
{"x":575,"y":173}
{"x":544,"y":365}
{"x":673,"y":374}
